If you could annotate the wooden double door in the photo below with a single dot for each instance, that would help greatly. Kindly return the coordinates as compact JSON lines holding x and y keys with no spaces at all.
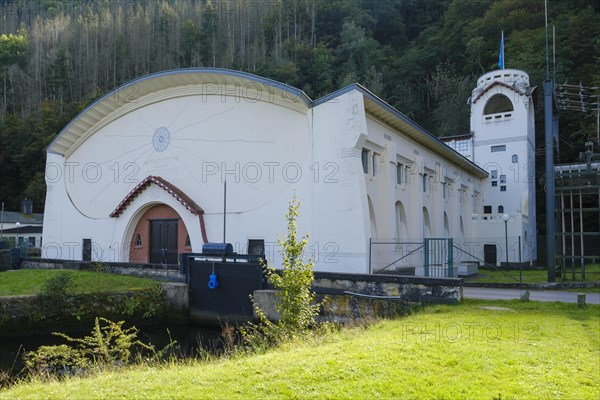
{"x":163,"y":241}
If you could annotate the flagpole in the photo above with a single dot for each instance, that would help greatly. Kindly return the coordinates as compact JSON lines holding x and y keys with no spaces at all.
{"x":501,"y":55}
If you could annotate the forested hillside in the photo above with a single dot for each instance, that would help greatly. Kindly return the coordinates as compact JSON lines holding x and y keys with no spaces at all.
{"x":421,"y":56}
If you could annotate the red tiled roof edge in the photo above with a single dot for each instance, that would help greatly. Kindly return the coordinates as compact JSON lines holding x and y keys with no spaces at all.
{"x":181,"y":197}
{"x":488,"y":87}
{"x":203,"y":228}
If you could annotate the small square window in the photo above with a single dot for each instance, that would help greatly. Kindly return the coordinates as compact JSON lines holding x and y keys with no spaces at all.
{"x":500,"y":209}
{"x":256,"y":247}
{"x":503,"y":188}
{"x":494,"y":183}
{"x":487,"y":209}
{"x":498,"y":148}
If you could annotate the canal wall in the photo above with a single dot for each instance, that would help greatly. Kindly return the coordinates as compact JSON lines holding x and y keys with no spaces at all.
{"x":355,"y":296}
{"x":31,"y":315}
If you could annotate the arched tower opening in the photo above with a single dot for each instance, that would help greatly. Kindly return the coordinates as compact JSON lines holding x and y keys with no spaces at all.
{"x":498,"y":103}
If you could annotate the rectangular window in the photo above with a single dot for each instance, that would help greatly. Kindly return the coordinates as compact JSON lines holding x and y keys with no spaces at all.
{"x":400,"y":173}
{"x":503,"y":188}
{"x":494,"y":173}
{"x":86,"y":251}
{"x":444,"y":190}
{"x":375,"y":161}
{"x":502,"y":178}
{"x":424,"y":180}
{"x":463,"y":146}
{"x":498,"y":148}
{"x":487,"y":209}
{"x":494,"y":183}
{"x":365,"y":160}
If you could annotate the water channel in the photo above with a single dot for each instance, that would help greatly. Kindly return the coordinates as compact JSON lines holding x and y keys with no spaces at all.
{"x":190,"y":339}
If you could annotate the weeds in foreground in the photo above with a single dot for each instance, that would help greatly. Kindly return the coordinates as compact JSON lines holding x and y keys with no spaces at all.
{"x":108,"y":345}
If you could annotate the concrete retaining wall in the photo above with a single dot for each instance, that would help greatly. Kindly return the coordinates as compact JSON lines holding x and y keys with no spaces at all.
{"x":156,"y":271}
{"x":354,"y":296}
{"x":406,"y":288}
{"x":177,"y":302}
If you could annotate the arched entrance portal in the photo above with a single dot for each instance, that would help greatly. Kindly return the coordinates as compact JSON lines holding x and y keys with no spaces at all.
{"x":159,"y":236}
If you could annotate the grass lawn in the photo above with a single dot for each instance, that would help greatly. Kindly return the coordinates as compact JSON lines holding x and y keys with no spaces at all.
{"x":30,"y":281}
{"x":533,"y":276}
{"x":476,"y":350}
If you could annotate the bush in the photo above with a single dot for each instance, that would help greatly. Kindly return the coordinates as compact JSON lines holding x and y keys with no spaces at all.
{"x":57,"y":293}
{"x":295,"y":297}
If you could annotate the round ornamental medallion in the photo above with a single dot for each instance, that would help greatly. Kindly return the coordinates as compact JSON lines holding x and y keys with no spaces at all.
{"x":161,"y":139}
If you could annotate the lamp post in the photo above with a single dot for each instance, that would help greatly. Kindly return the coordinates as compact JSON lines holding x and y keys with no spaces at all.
{"x":18,"y":224}
{"x":505,"y":217}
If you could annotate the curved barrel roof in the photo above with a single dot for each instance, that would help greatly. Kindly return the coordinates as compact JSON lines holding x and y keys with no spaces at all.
{"x":174,"y":83}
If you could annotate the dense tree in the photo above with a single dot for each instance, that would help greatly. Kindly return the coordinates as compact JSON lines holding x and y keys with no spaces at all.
{"x":13,"y":53}
{"x":422,"y":56}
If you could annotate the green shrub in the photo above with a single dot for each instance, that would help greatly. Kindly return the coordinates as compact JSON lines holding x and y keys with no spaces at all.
{"x":57,"y":293}
{"x":295,"y":298}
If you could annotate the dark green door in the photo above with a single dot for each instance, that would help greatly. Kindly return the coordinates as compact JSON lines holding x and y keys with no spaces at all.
{"x":163,"y":241}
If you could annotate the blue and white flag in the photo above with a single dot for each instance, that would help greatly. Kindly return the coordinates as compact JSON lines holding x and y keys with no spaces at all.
{"x":501,"y":56}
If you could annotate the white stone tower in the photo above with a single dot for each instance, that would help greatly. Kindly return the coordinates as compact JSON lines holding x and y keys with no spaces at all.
{"x":503,"y":134}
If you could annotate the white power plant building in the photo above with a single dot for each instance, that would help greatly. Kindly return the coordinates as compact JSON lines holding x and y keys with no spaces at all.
{"x":139,"y":175}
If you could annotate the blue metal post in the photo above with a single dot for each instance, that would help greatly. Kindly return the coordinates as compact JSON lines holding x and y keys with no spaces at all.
{"x":370,"y":245}
{"x":426,"y":250}
{"x":549,"y":180}
{"x":450,"y":259}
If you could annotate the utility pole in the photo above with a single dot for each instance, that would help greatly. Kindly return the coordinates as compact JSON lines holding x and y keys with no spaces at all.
{"x":549,"y":143}
{"x":2,"y":224}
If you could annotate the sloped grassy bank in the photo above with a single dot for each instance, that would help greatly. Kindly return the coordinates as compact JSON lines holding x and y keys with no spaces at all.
{"x":501,"y":349}
{"x":44,"y":301}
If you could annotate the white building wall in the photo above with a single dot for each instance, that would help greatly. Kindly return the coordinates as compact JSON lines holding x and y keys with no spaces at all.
{"x":340,"y":216}
{"x":385,"y":193}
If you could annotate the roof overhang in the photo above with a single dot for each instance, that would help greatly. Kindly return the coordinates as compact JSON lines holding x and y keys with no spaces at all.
{"x":384,"y":112}
{"x":174,"y":83}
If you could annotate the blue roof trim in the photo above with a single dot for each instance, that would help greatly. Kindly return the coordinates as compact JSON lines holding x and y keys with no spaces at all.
{"x":335,"y":94}
{"x":220,"y":71}
{"x":375,"y":99}
{"x":365,"y":92}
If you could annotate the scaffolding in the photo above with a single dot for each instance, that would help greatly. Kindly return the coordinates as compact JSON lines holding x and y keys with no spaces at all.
{"x":578,"y":192}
